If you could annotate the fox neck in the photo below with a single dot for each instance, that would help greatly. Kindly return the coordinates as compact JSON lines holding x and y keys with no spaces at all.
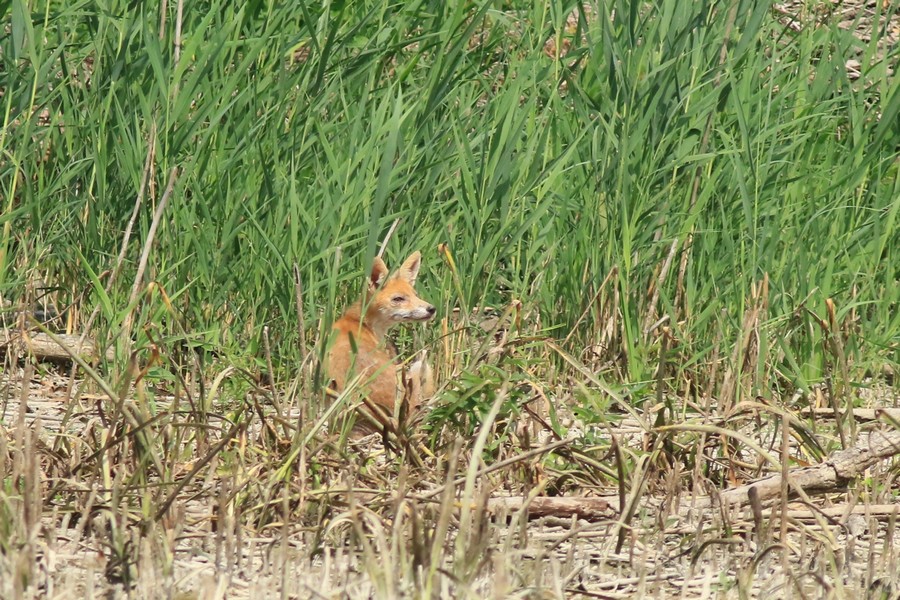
{"x":370,"y":321}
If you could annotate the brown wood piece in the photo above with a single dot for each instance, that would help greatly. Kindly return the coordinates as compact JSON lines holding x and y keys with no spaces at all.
{"x":860,"y":414}
{"x":43,"y":347}
{"x":590,"y":509}
{"x":832,"y":474}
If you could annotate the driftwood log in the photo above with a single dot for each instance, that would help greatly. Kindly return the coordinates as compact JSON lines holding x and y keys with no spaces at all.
{"x":590,"y":509}
{"x":832,"y":474}
{"x":860,"y":414}
{"x":875,"y":511}
{"x":44,"y":347}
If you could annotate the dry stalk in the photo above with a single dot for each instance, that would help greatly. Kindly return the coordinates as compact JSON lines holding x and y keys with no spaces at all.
{"x":660,"y":282}
{"x":612,"y":273}
{"x":494,"y":467}
{"x":178,"y":20}
{"x":145,"y":256}
{"x":301,"y":328}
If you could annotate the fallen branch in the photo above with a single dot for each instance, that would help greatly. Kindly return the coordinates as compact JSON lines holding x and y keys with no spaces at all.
{"x":43,"y":346}
{"x":830,"y":475}
{"x":875,"y":511}
{"x":860,"y":414}
{"x":590,"y":509}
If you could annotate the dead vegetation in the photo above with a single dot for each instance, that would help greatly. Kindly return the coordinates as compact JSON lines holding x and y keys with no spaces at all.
{"x":132,"y":493}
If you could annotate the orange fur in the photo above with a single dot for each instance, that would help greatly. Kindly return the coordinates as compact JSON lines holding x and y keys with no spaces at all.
{"x":387,"y":301}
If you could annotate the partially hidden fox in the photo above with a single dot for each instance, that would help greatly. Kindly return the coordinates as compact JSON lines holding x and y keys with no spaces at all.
{"x":361,"y":349}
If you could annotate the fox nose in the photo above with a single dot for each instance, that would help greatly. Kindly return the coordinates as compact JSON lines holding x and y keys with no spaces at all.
{"x":431,"y":310}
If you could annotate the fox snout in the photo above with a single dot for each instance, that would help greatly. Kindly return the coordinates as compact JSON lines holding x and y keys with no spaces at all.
{"x":421,"y":313}
{"x":397,"y":300}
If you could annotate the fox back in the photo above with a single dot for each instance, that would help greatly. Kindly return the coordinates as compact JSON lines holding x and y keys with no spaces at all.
{"x":360,"y":347}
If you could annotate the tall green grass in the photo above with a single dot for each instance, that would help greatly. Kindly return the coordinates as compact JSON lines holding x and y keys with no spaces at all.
{"x":695,"y":148}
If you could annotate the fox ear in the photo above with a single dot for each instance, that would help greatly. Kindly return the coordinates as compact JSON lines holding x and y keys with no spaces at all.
{"x":379,"y":273}
{"x":409,"y":270}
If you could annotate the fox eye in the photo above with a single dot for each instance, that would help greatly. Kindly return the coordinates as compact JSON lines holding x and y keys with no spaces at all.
{"x":398,"y":299}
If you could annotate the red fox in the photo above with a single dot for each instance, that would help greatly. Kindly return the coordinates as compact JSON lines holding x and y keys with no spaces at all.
{"x":360,"y":347}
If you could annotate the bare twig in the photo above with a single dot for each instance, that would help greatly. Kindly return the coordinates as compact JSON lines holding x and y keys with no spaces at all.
{"x":496,"y":467}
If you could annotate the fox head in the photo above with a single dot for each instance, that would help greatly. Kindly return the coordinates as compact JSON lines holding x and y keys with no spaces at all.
{"x":393,"y":299}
